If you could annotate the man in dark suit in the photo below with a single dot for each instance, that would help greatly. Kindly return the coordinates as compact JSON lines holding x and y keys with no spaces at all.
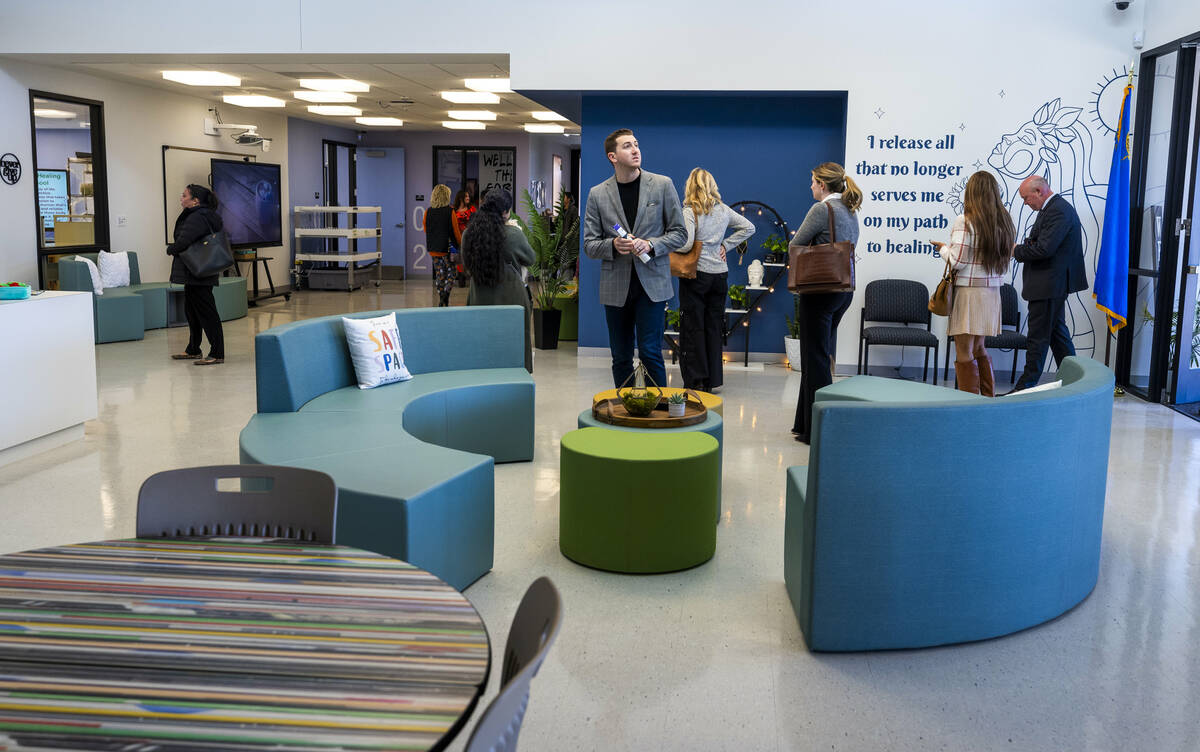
{"x":1054,"y":268}
{"x":635,"y":269}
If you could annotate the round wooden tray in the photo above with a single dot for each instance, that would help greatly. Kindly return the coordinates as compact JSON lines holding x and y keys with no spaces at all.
{"x":612,"y":411}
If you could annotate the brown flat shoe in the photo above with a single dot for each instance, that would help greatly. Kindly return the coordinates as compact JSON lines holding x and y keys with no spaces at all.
{"x":208,"y":361}
{"x":184,"y":356}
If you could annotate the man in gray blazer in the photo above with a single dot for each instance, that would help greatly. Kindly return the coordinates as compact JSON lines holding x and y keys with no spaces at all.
{"x":635,"y":270}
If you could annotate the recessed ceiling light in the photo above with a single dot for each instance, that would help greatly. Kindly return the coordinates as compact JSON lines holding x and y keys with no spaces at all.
{"x":253,"y":100}
{"x":324,"y":96}
{"x":543,"y":128}
{"x":201,"y":78}
{"x":488,"y":84}
{"x":470,"y":97}
{"x":378,"y":121}
{"x":547,"y":115}
{"x":463,"y":125}
{"x":471,"y":114}
{"x":334,"y":84}
{"x":334,"y":109}
{"x":54,"y":114}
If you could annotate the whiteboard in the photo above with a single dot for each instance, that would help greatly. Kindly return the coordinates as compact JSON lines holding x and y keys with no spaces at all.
{"x":183,"y":166}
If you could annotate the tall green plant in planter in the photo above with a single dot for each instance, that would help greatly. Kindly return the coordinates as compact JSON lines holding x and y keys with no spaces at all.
{"x":791,"y":343}
{"x":555,"y":244}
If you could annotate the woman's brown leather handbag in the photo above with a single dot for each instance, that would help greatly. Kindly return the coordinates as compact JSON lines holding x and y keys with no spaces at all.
{"x":943,"y":296}
{"x":683,"y":265}
{"x":825,"y":267}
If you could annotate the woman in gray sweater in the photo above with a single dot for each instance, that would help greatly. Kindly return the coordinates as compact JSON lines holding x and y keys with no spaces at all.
{"x":702,"y":300}
{"x":820,"y":313}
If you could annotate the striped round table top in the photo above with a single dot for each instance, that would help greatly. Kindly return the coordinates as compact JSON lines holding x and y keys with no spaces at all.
{"x":232,"y":644}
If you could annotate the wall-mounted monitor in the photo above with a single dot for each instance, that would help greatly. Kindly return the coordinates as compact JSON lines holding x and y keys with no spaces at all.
{"x":250,"y":202}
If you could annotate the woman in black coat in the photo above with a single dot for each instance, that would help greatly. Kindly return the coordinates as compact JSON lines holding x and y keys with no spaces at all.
{"x":199,"y":218}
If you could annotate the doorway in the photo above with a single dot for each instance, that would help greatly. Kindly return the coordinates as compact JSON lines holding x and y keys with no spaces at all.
{"x":380,"y":176}
{"x":1159,"y":350}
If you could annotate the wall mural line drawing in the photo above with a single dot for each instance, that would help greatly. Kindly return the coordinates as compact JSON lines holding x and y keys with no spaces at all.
{"x":1057,"y":143}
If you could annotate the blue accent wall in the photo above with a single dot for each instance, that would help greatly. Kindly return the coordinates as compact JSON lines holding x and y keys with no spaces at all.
{"x":759,"y":146}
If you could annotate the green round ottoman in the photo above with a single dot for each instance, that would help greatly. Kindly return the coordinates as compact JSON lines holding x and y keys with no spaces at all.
{"x":638,"y":502}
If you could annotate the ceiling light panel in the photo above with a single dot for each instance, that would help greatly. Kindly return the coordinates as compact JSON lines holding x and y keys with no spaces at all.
{"x":546,"y":115}
{"x":340,"y":110}
{"x":470,"y":97}
{"x":53,"y":114}
{"x":379,"y":121}
{"x":463,"y":125}
{"x":324,"y":96}
{"x":201,"y":78}
{"x":543,"y":128}
{"x":471,"y":114}
{"x":335,"y":84}
{"x":253,"y":100}
{"x":488,"y":84}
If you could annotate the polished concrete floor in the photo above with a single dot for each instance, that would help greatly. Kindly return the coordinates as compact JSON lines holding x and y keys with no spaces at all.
{"x":711,"y":658}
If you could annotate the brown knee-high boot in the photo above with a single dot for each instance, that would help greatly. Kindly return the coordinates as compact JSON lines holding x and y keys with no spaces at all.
{"x":987,"y":379}
{"x":967,"y":374}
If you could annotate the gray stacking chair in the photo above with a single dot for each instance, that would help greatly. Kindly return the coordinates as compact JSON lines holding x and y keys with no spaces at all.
{"x":274,"y":502}
{"x":896,"y":301}
{"x":533,"y":631}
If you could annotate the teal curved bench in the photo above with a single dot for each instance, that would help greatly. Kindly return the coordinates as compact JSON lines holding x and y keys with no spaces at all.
{"x":928,"y":516}
{"x":413,"y":461}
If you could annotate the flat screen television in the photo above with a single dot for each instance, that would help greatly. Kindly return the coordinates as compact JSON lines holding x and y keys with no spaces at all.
{"x":249,"y":201}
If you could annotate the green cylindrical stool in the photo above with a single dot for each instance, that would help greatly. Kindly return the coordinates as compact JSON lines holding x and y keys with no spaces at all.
{"x":638,"y":502}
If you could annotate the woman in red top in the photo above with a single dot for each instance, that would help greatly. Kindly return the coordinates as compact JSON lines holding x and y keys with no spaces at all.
{"x":462,"y":210}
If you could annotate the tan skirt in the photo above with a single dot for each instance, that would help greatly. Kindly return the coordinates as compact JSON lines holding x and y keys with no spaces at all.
{"x":975,"y":311}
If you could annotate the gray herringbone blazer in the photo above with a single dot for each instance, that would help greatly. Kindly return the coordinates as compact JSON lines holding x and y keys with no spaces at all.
{"x":659,"y":220}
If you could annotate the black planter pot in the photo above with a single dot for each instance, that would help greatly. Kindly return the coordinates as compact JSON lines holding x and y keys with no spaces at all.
{"x":545,"y":328}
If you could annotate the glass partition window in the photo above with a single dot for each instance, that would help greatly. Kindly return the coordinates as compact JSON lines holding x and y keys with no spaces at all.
{"x":71,"y":201}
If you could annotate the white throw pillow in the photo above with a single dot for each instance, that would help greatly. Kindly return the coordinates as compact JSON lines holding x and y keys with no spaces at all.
{"x":114,"y":268}
{"x":1039,"y":388}
{"x":97,"y":285}
{"x":375,"y":350}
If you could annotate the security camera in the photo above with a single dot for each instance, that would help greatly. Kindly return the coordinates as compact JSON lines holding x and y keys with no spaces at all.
{"x":1122,"y":4}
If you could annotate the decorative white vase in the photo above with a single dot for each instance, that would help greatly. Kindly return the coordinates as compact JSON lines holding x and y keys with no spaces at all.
{"x":676,"y":410}
{"x":791,"y":346}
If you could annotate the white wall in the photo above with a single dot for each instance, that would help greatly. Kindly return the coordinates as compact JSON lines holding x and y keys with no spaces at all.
{"x":1168,"y":20}
{"x":138,"y":121}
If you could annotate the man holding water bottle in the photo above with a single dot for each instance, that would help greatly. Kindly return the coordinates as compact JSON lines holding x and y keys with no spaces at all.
{"x":632,"y":222}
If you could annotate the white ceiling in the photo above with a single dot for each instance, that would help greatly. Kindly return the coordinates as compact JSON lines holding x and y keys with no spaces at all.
{"x":393,"y":79}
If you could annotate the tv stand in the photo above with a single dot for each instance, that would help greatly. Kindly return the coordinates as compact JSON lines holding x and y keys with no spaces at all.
{"x":254,"y":258}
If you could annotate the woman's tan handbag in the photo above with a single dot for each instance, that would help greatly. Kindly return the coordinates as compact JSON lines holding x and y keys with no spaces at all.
{"x":683,"y":265}
{"x":825,"y":267}
{"x":943,"y":296}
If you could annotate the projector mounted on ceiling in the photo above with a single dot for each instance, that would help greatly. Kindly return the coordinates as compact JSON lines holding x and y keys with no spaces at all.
{"x":248,"y":136}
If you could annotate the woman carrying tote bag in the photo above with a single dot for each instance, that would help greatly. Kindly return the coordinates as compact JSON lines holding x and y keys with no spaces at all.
{"x":198,"y":219}
{"x":979,"y":252}
{"x":702,"y":298}
{"x":820,"y":312}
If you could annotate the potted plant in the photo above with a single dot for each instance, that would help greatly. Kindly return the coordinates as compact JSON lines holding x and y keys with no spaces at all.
{"x":791,"y":343}
{"x":676,"y":404}
{"x":776,"y":250}
{"x":674,"y":316}
{"x":739,"y":297}
{"x":555,"y":244}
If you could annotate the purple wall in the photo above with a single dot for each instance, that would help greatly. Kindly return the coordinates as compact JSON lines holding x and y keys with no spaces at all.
{"x":306,"y":167}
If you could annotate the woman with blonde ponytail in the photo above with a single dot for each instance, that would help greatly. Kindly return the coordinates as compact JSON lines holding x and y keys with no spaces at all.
{"x":820,"y":313}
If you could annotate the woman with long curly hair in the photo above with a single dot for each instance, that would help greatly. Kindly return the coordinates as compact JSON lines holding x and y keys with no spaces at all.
{"x":979,"y":252}
{"x":493,"y":253}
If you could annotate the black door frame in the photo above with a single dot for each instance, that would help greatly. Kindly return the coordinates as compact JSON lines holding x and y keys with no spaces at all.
{"x":99,"y":176}
{"x":329,"y":163}
{"x":1167,"y":273}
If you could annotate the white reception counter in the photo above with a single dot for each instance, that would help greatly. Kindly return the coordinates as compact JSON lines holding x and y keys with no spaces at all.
{"x":47,"y":372}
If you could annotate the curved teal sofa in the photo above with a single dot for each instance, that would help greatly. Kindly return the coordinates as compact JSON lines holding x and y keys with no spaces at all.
{"x":413,"y":461}
{"x":928,"y":516}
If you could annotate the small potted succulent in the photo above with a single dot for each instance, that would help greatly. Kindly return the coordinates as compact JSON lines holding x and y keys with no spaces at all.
{"x":739,"y":297}
{"x":677,"y":404}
